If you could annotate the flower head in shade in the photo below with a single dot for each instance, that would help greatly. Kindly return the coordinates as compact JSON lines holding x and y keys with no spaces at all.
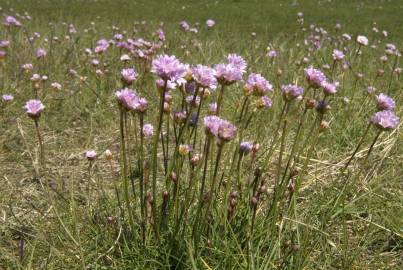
{"x":11,"y":21}
{"x":264,"y":102}
{"x":168,"y":67}
{"x":210,"y":23}
{"x":40,"y":53}
{"x":126,"y":98}
{"x":193,"y":100}
{"x":257,"y":85}
{"x":205,"y":76}
{"x":245,"y":147}
{"x":337,"y":55}
{"x":91,"y":155}
{"x":148,"y":130}
{"x":291,"y":91}
{"x":385,"y":120}
{"x":34,"y":108}
{"x":129,"y":75}
{"x":315,"y":77}
{"x":330,"y":88}
{"x":362,"y":40}
{"x":384,"y":102}
{"x":7,"y":98}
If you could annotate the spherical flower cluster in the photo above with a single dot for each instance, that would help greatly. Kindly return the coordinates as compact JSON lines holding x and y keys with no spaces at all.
{"x":384,"y":102}
{"x":40,"y":53}
{"x":271,"y":54}
{"x":245,"y":147}
{"x":291,"y":91}
{"x":4,"y":43}
{"x":102,"y":46}
{"x":232,"y":71}
{"x":362,"y":40}
{"x":7,"y":98}
{"x":385,"y":120}
{"x":184,"y":25}
{"x":148,"y":130}
{"x":56,"y":86}
{"x":330,"y":88}
{"x":210,"y":23}
{"x":129,"y":75}
{"x":205,"y":76}
{"x":168,"y":67}
{"x":129,"y":100}
{"x":264,"y":102}
{"x":91,"y":155}
{"x":337,"y":55}
{"x":160,"y":34}
{"x":34,"y":108}
{"x":219,"y":128}
{"x":315,"y":77}
{"x":11,"y":21}
{"x":257,"y":85}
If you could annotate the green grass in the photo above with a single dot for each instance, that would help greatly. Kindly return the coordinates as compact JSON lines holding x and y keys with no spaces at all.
{"x":53,"y":227}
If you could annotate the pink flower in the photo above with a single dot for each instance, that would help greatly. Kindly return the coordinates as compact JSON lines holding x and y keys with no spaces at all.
{"x":148,"y":130}
{"x":210,"y":23}
{"x":91,"y":155}
{"x":34,"y":108}
{"x":362,"y":40}
{"x":129,"y":75}
{"x":11,"y":21}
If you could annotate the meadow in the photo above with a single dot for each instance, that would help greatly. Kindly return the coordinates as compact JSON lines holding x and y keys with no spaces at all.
{"x":201,"y":134}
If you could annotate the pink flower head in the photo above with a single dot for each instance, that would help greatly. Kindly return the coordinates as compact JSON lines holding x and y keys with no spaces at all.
{"x":27,"y":67}
{"x":7,"y":98}
{"x":91,"y":155}
{"x":205,"y":76}
{"x":125,"y":98}
{"x":264,"y":102}
{"x":228,"y":73}
{"x":221,"y":129}
{"x":362,"y":40}
{"x":210,"y":23}
{"x":291,"y":91}
{"x":385,"y":120}
{"x":315,"y":77}
{"x":4,"y":43}
{"x":237,"y":61}
{"x":330,"y":88}
{"x":2,"y":54}
{"x":384,"y":102}
{"x":34,"y":108}
{"x":11,"y":21}
{"x":168,"y":67}
{"x":129,"y":75}
{"x":72,"y":29}
{"x":102,"y":46}
{"x":272,"y":54}
{"x":212,"y":108}
{"x":245,"y":147}
{"x":160,"y":34}
{"x":148,"y":130}
{"x":258,"y":85}
{"x":184,"y":25}
{"x":337,"y":55}
{"x":40,"y":53}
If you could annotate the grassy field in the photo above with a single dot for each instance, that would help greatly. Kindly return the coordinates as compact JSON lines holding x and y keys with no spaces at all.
{"x":323,"y":190}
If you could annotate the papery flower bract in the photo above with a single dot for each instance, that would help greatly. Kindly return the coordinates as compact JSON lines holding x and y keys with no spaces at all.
{"x":384,"y":102}
{"x":148,"y":130}
{"x":385,"y":120}
{"x":258,"y":85}
{"x":168,"y":68}
{"x":291,"y":91}
{"x":90,"y":155}
{"x":315,"y":77}
{"x":34,"y":108}
{"x":205,"y":76}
